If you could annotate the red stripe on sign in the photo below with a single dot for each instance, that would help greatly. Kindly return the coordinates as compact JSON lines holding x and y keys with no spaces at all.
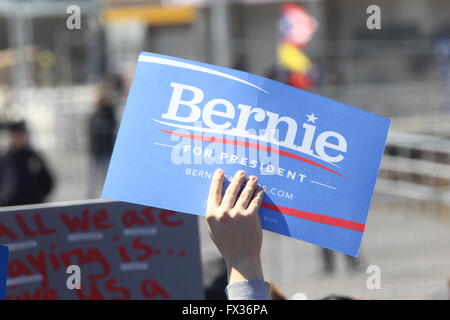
{"x":252,"y":145}
{"x":341,"y":223}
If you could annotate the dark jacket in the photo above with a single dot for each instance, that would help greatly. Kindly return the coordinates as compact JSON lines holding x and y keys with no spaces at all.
{"x":102,"y":128}
{"x":24,"y":178}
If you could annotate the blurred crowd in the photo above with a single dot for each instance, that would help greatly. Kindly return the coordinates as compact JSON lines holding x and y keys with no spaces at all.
{"x":25,"y":175}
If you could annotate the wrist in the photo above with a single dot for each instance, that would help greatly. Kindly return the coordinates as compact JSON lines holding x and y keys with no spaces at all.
{"x":245,"y":269}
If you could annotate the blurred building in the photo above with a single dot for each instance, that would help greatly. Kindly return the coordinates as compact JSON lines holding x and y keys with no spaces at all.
{"x":49,"y":73}
{"x":242,"y":33}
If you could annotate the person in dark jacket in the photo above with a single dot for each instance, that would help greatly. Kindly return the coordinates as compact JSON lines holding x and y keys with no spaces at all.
{"x":24,"y":175}
{"x":102,"y":134}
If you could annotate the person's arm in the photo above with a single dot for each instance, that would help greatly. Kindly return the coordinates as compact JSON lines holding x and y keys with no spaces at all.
{"x":235,"y":228}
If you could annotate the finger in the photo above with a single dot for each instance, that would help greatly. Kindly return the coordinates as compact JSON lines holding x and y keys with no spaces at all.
{"x":229,"y":199}
{"x":254,"y":205}
{"x":247,"y":194}
{"x":215,"y":190}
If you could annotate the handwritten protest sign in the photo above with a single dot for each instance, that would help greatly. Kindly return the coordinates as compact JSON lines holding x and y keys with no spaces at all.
{"x":124,"y":251}
{"x":3,"y":269}
{"x":316,"y":158}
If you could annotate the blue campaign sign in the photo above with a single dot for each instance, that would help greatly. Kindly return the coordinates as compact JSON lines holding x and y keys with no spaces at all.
{"x":3,"y":270}
{"x":316,"y":158}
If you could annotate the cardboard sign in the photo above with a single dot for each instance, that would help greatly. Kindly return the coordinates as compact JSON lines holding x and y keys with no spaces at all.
{"x":316,"y":158}
{"x":3,"y":270}
{"x":123,"y":251}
